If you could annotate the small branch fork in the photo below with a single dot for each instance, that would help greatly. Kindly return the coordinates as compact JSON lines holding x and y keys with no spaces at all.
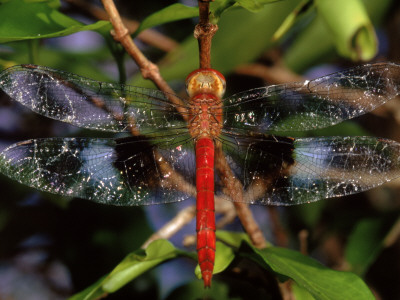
{"x":148,"y":69}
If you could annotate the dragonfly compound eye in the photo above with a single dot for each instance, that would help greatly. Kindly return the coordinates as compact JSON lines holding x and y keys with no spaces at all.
{"x":205,"y":81}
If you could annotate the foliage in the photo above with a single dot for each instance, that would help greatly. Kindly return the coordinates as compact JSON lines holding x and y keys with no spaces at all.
{"x":39,"y":20}
{"x":319,"y":281}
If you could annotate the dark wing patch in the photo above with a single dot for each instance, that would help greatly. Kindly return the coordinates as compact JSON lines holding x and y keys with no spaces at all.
{"x":128,"y":171}
{"x":282,"y":171}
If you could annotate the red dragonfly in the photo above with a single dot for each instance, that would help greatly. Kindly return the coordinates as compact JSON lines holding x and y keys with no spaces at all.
{"x":205,"y":146}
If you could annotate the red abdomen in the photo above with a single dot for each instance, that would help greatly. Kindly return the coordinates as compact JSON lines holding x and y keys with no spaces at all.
{"x":205,"y":225}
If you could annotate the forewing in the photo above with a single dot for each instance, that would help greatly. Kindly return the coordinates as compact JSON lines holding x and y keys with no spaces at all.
{"x":285,"y":171}
{"x":127,"y":171}
{"x":89,"y":103}
{"x":318,"y":103}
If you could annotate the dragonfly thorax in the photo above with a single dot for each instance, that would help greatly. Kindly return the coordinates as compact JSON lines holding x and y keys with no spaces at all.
{"x":205,"y":81}
{"x":205,"y":88}
{"x":205,"y":116}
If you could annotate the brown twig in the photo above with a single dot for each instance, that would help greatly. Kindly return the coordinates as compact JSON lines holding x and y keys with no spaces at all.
{"x":148,"y":69}
{"x":181,"y":219}
{"x":186,"y":215}
{"x":393,"y":235}
{"x":148,"y":36}
{"x":282,"y":239}
{"x":204,"y":32}
{"x":286,"y":290}
{"x":226,"y":209}
{"x":303,"y":236}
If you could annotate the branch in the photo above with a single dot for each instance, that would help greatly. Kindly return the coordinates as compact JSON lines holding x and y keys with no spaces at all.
{"x":204,"y":32}
{"x":234,"y":190}
{"x":303,"y":236}
{"x":185,"y":216}
{"x":168,"y":230}
{"x":282,"y":239}
{"x":148,"y":69}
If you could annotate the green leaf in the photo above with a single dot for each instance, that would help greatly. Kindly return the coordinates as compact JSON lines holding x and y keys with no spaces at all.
{"x":219,"y":6}
{"x":365,"y":243}
{"x":223,"y":257}
{"x":83,"y":63}
{"x":171,"y":13}
{"x":300,"y":56}
{"x":301,"y":293}
{"x":319,"y":281}
{"x":94,"y":291}
{"x":179,"y":11}
{"x":234,"y":43}
{"x":254,"y":5}
{"x":136,"y":264}
{"x":132,"y":266}
{"x":290,"y":19}
{"x":232,"y":238}
{"x":24,"y":20}
{"x":351,"y":29}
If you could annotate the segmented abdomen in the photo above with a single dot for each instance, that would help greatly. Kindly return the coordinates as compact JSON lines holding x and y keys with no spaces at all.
{"x":205,"y":225}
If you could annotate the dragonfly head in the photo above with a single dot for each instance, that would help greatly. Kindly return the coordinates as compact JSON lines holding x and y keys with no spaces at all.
{"x":207,"y":81}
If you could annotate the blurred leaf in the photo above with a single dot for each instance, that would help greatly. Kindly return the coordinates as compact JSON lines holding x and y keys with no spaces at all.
{"x":346,"y":128}
{"x":234,"y":43}
{"x":319,"y":281}
{"x":218,"y":7}
{"x":290,"y":19}
{"x":301,"y":293}
{"x":92,"y":292}
{"x":179,"y":11}
{"x":365,"y":243}
{"x":132,"y":266}
{"x":85,"y":63}
{"x":232,"y":238}
{"x":168,"y":14}
{"x":309,"y":214}
{"x":350,"y":27}
{"x":240,"y":42}
{"x":136,"y":264}
{"x":223,"y":257}
{"x":300,"y":56}
{"x":24,"y":20}
{"x":254,"y":5}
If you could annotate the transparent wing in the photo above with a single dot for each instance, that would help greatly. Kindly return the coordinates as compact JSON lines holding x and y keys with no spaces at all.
{"x":318,"y":103}
{"x":127,"y":171}
{"x":89,"y":103}
{"x":286,"y":171}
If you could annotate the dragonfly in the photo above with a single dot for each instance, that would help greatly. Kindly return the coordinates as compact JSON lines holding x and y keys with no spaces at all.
{"x":203,"y":147}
